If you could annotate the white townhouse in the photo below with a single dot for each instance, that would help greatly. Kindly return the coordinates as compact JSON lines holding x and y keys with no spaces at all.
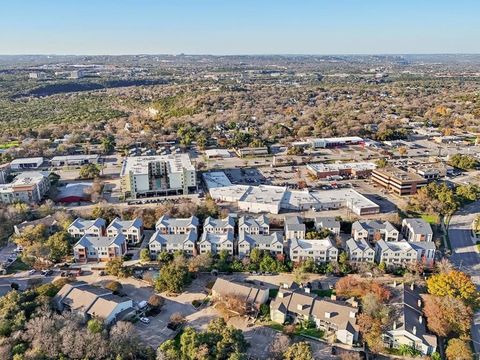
{"x":329,"y":223}
{"x":395,"y":253}
{"x":374,"y":230}
{"x":425,"y":252}
{"x":268,"y":242}
{"x":415,"y":230}
{"x":219,"y":226}
{"x":80,"y":227}
{"x":254,"y":226}
{"x":132,"y":229}
{"x":214,"y":243}
{"x":294,"y":228}
{"x":170,"y":243}
{"x":99,"y":248}
{"x":321,"y":251}
{"x":360,"y":251}
{"x":168,"y":225}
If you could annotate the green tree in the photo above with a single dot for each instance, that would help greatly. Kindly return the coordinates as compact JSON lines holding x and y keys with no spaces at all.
{"x":59,"y":246}
{"x":95,"y":326}
{"x":115,"y":267}
{"x":173,"y":277}
{"x":464,"y":162}
{"x":89,"y":171}
{"x":108,"y":143}
{"x":114,"y":286}
{"x":144,"y":255}
{"x":299,"y":351}
{"x":268,"y":264}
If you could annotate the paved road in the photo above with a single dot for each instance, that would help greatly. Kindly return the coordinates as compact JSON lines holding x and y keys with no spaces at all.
{"x":464,"y":254}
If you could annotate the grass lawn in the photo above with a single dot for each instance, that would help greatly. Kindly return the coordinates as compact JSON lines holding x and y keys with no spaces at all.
{"x":275,"y":326}
{"x":430,"y":218}
{"x":17,"y":265}
{"x":316,"y":333}
{"x":9,"y":145}
{"x":272,"y":293}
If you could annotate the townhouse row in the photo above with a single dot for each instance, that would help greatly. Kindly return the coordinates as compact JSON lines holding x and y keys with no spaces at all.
{"x":372,"y":241}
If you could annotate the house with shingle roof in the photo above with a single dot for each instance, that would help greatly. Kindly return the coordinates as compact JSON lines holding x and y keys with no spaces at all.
{"x":374,"y":230}
{"x":185,"y":242}
{"x":99,"y":248}
{"x":329,"y":223}
{"x":132,"y":229}
{"x":254,"y":226}
{"x":294,"y":228}
{"x":219,"y":226}
{"x":360,"y":251}
{"x":416,"y":230}
{"x":272,"y":243}
{"x":408,"y":324}
{"x":80,"y":227}
{"x":168,"y":225}
{"x":249,"y":292}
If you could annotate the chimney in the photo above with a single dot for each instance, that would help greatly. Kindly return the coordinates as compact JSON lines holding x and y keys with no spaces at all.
{"x":327,"y":315}
{"x":412,"y":286}
{"x":394,"y":283}
{"x":355,"y":304}
{"x":420,"y":319}
{"x":419,"y":303}
{"x":281,"y":294}
{"x":352,"y":314}
{"x":307,"y":290}
{"x":299,"y":307}
{"x":394,"y":326}
{"x":414,"y":330}
{"x":333,"y":297}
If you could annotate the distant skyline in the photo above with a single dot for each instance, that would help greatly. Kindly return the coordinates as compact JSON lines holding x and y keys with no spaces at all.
{"x":236,"y":27}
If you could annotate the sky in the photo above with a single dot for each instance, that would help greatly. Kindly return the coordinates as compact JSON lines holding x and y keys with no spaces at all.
{"x":239,"y":26}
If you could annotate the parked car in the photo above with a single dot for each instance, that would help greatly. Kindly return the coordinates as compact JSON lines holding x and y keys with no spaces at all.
{"x":31,"y":272}
{"x":145,"y":320}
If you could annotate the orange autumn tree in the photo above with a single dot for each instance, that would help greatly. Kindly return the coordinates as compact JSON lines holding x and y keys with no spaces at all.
{"x":352,"y":286}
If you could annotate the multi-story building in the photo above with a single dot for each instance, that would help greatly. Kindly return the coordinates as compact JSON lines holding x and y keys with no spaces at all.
{"x":216,"y":242}
{"x":397,"y":181}
{"x":425,"y":252}
{"x":219,"y":226}
{"x":28,"y":187}
{"x":360,"y":251}
{"x":80,"y":227}
{"x":395,"y":253}
{"x":4,"y":172}
{"x":417,"y":229}
{"x":171,"y":243}
{"x":294,"y":228}
{"x":409,"y":324}
{"x":168,"y":225}
{"x":99,"y":248}
{"x":374,"y":230}
{"x":321,"y":251}
{"x":151,"y":176}
{"x":132,"y":229}
{"x":253,"y":226}
{"x":329,"y":315}
{"x":272,"y":243}
{"x":329,"y":223}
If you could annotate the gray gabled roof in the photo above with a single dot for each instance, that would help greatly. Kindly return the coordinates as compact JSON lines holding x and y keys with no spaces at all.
{"x":100,"y":241}
{"x":327,"y":222}
{"x":419,"y":226}
{"x":82,"y":224}
{"x":373,"y":225}
{"x":257,"y":222}
{"x":167,"y":221}
{"x":173,"y":238}
{"x":219,"y":223}
{"x":361,"y":244}
{"x":294,"y":223}
{"x":253,"y":239}
{"x":126,"y":224}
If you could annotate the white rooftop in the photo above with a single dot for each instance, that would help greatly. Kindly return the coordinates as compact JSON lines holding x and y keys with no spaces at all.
{"x":139,"y":165}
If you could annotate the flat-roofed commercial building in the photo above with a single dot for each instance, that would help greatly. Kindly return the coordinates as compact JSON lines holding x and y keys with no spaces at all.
{"x":74,"y":160}
{"x":397,"y":181}
{"x":26,"y":163}
{"x":252,"y":151}
{"x":150,"y":176}
{"x":331,"y":142}
{"x":359,"y":170}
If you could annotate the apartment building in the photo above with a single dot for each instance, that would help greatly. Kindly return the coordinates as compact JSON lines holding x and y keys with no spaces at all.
{"x":294,"y":228}
{"x":330,"y":315}
{"x":397,"y":181}
{"x":219,"y":226}
{"x":80,"y":227}
{"x":329,"y":223}
{"x":360,"y":251}
{"x":132,"y":229}
{"x":374,"y":230}
{"x":29,"y":187}
{"x":168,"y":225}
{"x":172,"y":242}
{"x":416,"y":229}
{"x":272,"y":243}
{"x":395,"y":253}
{"x":253,"y":226}
{"x":151,"y":176}
{"x":216,"y":242}
{"x":99,"y":248}
{"x":409,"y":324}
{"x":321,"y":251}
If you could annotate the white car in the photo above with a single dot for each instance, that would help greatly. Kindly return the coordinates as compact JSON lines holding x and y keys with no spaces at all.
{"x":145,"y":320}
{"x":31,"y":272}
